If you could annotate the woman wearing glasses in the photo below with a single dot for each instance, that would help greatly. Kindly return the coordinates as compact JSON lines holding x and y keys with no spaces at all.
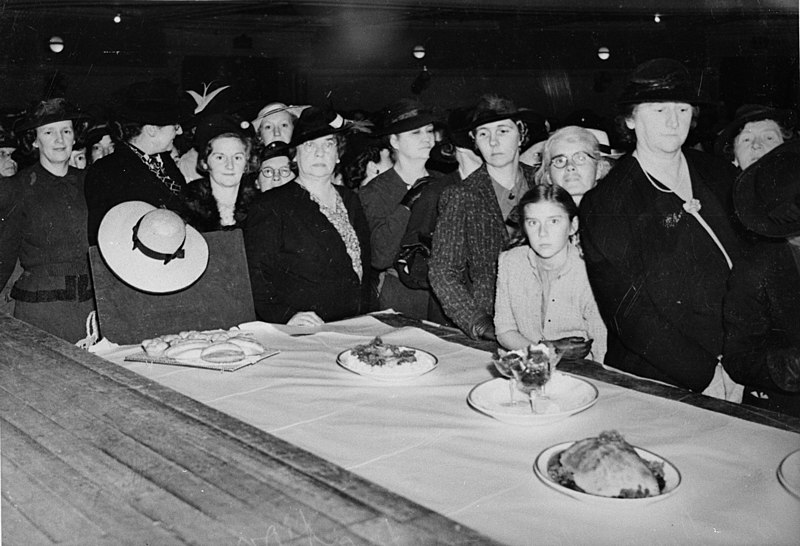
{"x":658,"y":241}
{"x":571,"y":159}
{"x":307,"y":241}
{"x":220,"y":199}
{"x":275,"y":166}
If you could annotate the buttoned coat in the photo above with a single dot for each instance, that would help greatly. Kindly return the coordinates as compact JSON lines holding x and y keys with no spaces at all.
{"x":470,"y":234}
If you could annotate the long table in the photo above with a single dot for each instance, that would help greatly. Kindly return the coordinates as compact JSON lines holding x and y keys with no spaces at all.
{"x":421,"y":441}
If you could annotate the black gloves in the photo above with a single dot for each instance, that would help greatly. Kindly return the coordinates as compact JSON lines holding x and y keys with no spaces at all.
{"x":784,"y":368}
{"x":483,"y":328}
{"x":572,"y":348}
{"x":415,"y":192}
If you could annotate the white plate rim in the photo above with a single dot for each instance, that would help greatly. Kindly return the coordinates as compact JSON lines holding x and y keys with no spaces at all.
{"x":390,"y":378}
{"x":563,"y":414}
{"x":540,"y":470}
{"x":782,"y":479}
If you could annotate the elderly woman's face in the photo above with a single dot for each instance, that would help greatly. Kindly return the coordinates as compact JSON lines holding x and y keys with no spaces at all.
{"x":317,"y":157}
{"x":277,"y":127}
{"x":54,"y":142}
{"x":498,"y":142}
{"x":573,"y":166}
{"x":661,"y":127}
{"x":274,"y":172}
{"x":756,"y":140}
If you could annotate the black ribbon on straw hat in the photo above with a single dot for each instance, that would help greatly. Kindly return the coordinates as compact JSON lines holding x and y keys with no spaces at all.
{"x":150,"y":253}
{"x":150,"y":249}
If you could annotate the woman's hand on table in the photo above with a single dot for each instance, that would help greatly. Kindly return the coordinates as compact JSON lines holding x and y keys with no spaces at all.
{"x":305,"y":318}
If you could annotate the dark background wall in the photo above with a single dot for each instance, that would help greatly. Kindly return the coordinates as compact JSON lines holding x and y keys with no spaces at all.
{"x":360,"y":56}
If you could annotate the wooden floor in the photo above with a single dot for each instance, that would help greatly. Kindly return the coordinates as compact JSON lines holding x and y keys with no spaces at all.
{"x":94,"y":454}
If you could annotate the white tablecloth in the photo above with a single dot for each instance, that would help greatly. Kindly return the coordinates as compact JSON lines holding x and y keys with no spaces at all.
{"x":420,"y":439}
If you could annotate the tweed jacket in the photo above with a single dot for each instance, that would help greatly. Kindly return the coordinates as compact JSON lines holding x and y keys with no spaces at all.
{"x":470,"y":234}
{"x":298,"y":261}
{"x":762,"y":321}
{"x":121,"y":177}
{"x":201,"y":207}
{"x":571,"y":309}
{"x":658,"y":277}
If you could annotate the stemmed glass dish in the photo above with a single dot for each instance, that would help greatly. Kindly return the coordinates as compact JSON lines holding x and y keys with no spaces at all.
{"x":504,"y":363}
{"x":530,"y":369}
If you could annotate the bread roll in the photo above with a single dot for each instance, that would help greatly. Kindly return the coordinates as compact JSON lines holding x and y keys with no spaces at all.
{"x":223,"y":352}
{"x":249,"y":346}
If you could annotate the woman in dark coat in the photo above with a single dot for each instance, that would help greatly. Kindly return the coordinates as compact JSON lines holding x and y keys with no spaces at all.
{"x":221,"y":198}
{"x":658,"y":240}
{"x":44,"y":226}
{"x":307,"y":241}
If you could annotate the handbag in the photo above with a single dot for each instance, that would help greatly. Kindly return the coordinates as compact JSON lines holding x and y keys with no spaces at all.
{"x":412,"y":265}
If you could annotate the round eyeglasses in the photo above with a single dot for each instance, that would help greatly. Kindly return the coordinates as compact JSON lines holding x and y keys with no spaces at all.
{"x":283,"y":172}
{"x":578,"y":159}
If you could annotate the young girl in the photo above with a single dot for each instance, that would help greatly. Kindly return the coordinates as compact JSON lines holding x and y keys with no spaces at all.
{"x":542,"y":288}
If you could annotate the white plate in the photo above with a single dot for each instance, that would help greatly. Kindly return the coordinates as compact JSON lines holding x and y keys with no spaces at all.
{"x":568,"y":395}
{"x":672,"y":478}
{"x":789,"y":473}
{"x":424,"y":364}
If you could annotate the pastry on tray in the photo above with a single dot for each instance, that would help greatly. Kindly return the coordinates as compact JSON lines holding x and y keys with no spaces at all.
{"x":213,"y":346}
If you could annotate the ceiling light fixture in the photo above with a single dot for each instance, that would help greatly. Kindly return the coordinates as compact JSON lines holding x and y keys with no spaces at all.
{"x":118,"y":18}
{"x":603,"y":53}
{"x":657,"y":18}
{"x":418,"y":52}
{"x":56,"y":44}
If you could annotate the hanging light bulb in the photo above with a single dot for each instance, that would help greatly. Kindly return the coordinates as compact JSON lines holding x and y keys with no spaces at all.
{"x":603,"y":53}
{"x":118,"y":18}
{"x":418,"y":52}
{"x":56,"y":44}
{"x":657,"y":18}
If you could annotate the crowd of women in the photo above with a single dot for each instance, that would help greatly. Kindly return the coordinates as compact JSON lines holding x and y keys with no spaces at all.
{"x":667,"y":262}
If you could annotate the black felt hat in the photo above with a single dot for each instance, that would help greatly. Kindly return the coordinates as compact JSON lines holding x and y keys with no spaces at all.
{"x":315,"y":122}
{"x":273,"y":149}
{"x":660,"y":80}
{"x":768,"y":192}
{"x":209,"y":127}
{"x":491,"y":108}
{"x":747,"y":113}
{"x":406,"y":115}
{"x":7,"y":139}
{"x":50,"y":111}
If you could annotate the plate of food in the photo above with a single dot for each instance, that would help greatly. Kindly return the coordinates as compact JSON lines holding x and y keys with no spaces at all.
{"x":226,"y":350}
{"x":387,"y":362}
{"x":789,"y":473}
{"x":565,"y":395}
{"x":606,"y":470}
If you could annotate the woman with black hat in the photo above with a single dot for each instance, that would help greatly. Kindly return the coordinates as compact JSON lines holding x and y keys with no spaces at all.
{"x":476,"y":222}
{"x":755,"y":131}
{"x":388,"y":200}
{"x":141,"y":168}
{"x":8,"y":145}
{"x":44,"y":217}
{"x":275,"y":165}
{"x":220,"y":199}
{"x":762,"y":306}
{"x":307,"y":241}
{"x":658,"y":240}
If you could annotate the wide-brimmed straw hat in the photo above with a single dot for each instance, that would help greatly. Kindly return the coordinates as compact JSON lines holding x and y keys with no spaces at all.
{"x":747,"y":113}
{"x":274,"y":108}
{"x":155,"y":102}
{"x":151,"y":249}
{"x":660,"y":80}
{"x":769,"y":187}
{"x":405,"y":115}
{"x":315,"y":122}
{"x":50,"y":111}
